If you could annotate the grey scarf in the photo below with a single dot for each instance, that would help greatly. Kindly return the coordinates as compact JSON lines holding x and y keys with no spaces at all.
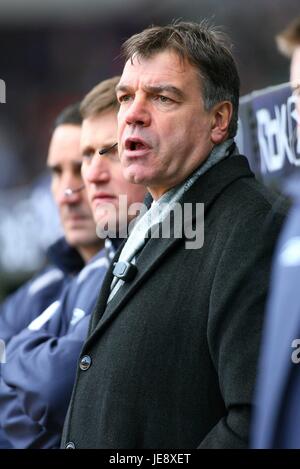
{"x":161,"y":208}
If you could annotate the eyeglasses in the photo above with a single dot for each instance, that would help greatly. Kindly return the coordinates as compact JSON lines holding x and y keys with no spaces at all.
{"x":110,"y":152}
{"x":69,"y":191}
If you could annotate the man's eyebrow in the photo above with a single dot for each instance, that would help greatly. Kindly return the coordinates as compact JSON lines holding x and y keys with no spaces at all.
{"x":165,"y":88}
{"x":155,"y":89}
{"x":121,"y":88}
{"x":86,"y":148}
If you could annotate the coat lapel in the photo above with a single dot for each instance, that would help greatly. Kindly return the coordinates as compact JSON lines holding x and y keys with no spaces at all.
{"x":150,"y":256}
{"x":206,"y":190}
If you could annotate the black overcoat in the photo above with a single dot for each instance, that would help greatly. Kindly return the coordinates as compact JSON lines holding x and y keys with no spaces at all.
{"x":171,"y":361}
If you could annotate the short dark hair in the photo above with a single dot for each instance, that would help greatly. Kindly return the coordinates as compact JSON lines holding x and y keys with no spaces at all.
{"x":205,"y":47}
{"x":101,"y":98}
{"x":69,"y":115}
{"x":288,"y":39}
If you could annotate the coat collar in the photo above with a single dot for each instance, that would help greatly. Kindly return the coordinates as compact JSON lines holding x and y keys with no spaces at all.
{"x":206,"y":190}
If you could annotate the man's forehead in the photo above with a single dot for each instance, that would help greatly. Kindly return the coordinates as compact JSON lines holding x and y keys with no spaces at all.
{"x":64,"y":145}
{"x":99,"y":128}
{"x":107,"y":117}
{"x":65,"y":158}
{"x":66,"y":132}
{"x":159,"y":66}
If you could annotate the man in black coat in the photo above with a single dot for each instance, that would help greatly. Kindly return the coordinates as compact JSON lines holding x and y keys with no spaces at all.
{"x":170,"y":360}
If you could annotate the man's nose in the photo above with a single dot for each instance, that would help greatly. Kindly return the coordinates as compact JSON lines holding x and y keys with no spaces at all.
{"x":138,"y":113}
{"x":71,"y":191}
{"x":98,"y":170}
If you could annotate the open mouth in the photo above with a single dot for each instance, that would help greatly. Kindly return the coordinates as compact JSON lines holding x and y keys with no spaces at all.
{"x":133,"y":144}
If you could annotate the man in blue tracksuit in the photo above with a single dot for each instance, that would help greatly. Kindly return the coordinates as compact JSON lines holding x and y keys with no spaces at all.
{"x":68,"y":255}
{"x":41,"y":360}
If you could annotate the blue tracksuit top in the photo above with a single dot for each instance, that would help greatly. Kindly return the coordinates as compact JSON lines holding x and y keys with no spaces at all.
{"x":41,"y":360}
{"x":20,"y":308}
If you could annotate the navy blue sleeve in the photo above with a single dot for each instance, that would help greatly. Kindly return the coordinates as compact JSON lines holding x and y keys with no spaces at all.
{"x":20,"y":308}
{"x":40,"y":385}
{"x":20,"y":430}
{"x":41,"y":363}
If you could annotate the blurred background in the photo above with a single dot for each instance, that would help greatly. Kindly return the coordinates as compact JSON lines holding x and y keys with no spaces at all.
{"x":53,"y":51}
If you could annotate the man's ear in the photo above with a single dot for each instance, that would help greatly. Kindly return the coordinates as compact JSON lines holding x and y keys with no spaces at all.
{"x":221,"y":117}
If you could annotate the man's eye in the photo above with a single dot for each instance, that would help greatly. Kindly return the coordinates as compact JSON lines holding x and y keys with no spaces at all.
{"x":55,"y":171}
{"x":124,"y":98}
{"x":110,"y":152}
{"x":164,"y":99}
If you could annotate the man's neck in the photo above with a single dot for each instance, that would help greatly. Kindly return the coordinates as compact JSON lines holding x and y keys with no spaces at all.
{"x":87,"y":252}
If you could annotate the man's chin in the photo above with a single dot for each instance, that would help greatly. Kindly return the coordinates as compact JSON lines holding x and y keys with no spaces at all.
{"x":113,"y":227}
{"x":76,"y":238}
{"x":136,"y":176}
{"x":107,"y":228}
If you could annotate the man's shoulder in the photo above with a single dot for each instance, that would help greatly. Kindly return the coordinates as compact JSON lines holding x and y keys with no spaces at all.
{"x":249,"y":195}
{"x":231,"y":185}
{"x":244,"y":204}
{"x":49,"y":277}
{"x":44,"y":281}
{"x":94,"y":269}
